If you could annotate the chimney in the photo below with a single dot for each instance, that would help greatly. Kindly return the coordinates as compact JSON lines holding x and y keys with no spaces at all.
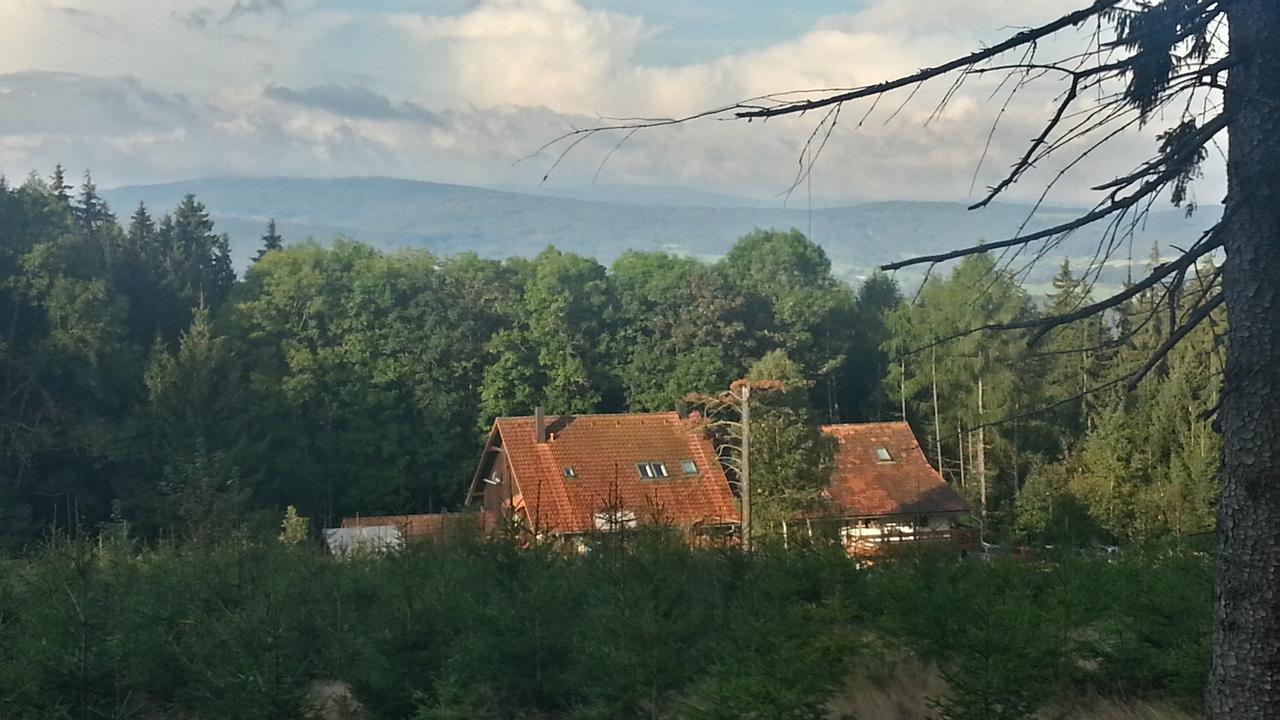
{"x":539,"y":425}
{"x":682,"y":410}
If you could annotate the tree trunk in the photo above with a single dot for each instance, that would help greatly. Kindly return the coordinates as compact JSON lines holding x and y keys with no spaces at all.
{"x":1244,"y":681}
{"x":980,"y":463}
{"x":746,"y":468}
{"x":902,"y":388}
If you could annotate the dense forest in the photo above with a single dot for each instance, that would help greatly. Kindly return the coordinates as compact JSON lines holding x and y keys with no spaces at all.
{"x":148,"y":386}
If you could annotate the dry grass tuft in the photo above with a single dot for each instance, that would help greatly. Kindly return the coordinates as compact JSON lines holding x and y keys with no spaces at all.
{"x":898,"y":686}
{"x":333,"y":700}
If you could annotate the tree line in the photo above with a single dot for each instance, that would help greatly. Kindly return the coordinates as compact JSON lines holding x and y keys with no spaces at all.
{"x":146,"y":384}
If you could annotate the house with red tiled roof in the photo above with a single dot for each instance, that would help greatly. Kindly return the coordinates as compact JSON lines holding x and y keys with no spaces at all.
{"x":569,"y":476}
{"x":884,"y":491}
{"x":573,"y":475}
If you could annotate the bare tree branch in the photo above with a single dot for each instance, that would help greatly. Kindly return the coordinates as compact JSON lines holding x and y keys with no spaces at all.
{"x":1025,"y":37}
{"x":1174,"y":338}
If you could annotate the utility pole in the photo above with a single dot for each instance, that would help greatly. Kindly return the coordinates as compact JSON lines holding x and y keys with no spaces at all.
{"x":738,"y":400}
{"x":745,"y":478}
{"x":937,"y":424}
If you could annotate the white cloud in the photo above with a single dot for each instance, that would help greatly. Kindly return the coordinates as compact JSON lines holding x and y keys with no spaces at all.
{"x":548,"y":53}
{"x":316,"y":91}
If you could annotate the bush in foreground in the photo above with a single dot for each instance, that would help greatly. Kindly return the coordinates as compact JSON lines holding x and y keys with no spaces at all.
{"x":467,"y":628}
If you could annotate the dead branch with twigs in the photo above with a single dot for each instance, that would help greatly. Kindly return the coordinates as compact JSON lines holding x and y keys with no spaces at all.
{"x":1115,"y":84}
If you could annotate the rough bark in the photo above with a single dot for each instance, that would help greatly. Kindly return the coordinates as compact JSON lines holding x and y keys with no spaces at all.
{"x":1244,"y":680}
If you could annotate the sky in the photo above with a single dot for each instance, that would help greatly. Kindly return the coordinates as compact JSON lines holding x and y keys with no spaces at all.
{"x":468,"y":91}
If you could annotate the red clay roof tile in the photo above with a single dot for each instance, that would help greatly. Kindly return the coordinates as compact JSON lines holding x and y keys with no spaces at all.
{"x":864,"y":486}
{"x":603,"y":451}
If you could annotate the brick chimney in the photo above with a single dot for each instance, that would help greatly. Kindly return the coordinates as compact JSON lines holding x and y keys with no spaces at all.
{"x":539,"y":425}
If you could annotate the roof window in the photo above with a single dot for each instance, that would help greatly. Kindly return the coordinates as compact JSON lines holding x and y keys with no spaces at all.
{"x":882,"y":455}
{"x":569,"y":473}
{"x":651,"y":470}
{"x":689,"y":467}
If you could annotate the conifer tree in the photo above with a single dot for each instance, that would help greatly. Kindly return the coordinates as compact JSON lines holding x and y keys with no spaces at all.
{"x":271,"y":240}
{"x":58,"y":185}
{"x":199,"y":260}
{"x":978,"y":379}
{"x":192,"y":431}
{"x":92,"y":212}
{"x":1075,"y":356}
{"x":142,"y":230}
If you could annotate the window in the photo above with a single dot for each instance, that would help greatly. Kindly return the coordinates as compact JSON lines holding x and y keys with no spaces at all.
{"x":651,"y":470}
{"x":882,"y":455}
{"x":689,"y":466}
{"x":569,"y":473}
{"x":614,"y":519}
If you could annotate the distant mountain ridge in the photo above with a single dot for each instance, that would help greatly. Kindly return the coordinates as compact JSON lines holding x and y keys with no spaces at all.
{"x":447,"y":219}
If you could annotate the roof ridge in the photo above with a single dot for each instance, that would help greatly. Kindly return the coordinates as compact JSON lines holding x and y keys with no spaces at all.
{"x":866,"y":424}
{"x":587,"y":415}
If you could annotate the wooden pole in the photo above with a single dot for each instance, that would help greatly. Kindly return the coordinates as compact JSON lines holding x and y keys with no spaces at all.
{"x":937,"y":424}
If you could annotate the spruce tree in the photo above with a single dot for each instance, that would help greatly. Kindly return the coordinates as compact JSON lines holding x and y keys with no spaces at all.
{"x":199,"y":259}
{"x":58,"y":184}
{"x":142,"y":230}
{"x":140,"y":271}
{"x":1076,"y":355}
{"x":270,"y":241}
{"x":92,"y":212}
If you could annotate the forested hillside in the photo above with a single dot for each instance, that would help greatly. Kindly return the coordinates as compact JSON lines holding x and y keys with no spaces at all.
{"x":448,"y":219}
{"x":146,"y":384}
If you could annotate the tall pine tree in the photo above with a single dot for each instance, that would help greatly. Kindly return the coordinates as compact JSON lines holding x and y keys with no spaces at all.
{"x":271,"y":240}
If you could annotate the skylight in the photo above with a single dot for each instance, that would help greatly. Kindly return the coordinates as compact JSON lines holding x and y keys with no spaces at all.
{"x":569,"y":473}
{"x":651,"y":470}
{"x":882,"y":455}
{"x":689,"y":466}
